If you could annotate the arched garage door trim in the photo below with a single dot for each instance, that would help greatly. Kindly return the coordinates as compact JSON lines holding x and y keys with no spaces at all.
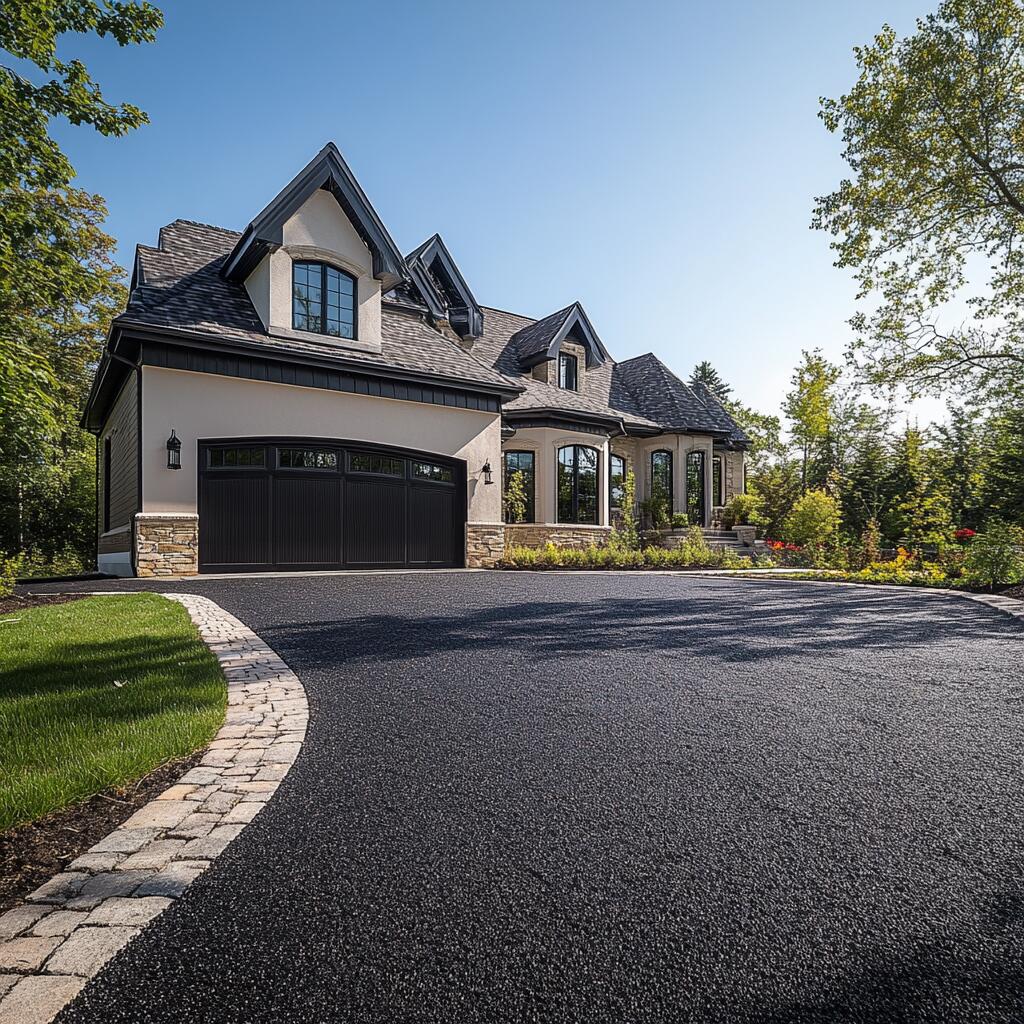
{"x":305,"y":503}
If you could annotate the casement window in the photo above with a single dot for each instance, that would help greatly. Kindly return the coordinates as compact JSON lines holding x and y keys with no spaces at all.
{"x":576,"y":484}
{"x":323,"y":299}
{"x":616,"y":480}
{"x":661,"y":476}
{"x":523,"y":463}
{"x":567,"y":372}
{"x":717,"y":481}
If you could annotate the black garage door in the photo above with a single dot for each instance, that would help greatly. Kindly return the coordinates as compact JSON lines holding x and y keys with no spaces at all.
{"x":315,"y":505}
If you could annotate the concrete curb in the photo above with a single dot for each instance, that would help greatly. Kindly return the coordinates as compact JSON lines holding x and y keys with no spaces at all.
{"x":65,"y":931}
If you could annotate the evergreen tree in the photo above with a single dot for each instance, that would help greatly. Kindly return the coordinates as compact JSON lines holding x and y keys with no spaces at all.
{"x":704,"y":373}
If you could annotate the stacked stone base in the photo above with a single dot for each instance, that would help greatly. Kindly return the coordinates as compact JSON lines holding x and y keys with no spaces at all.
{"x":485,"y":544}
{"x":166,"y":544}
{"x":565,"y":535}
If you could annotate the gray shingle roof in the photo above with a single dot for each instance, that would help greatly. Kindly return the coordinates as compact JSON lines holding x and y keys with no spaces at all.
{"x":180,"y":287}
{"x":662,"y":396}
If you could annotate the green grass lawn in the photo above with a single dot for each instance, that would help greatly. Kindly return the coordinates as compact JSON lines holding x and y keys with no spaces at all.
{"x":97,"y":693}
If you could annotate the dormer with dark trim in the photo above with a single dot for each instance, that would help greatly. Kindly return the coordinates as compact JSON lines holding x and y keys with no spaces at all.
{"x":316,"y":260}
{"x":444,"y":289}
{"x":542,"y":341}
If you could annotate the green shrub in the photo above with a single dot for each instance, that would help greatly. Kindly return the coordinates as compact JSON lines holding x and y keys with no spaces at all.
{"x":813,"y":521}
{"x":625,"y":537}
{"x":742,"y":510}
{"x":996,"y":555}
{"x":10,"y":570}
{"x":35,"y":564}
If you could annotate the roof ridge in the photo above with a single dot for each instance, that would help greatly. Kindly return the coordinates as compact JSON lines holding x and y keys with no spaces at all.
{"x":203,"y":224}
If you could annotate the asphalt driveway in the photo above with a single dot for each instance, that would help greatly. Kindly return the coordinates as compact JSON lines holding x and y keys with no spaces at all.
{"x":614,"y":798}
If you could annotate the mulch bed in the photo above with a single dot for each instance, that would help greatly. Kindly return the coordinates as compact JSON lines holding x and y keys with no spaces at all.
{"x":20,"y":604}
{"x":30,"y":854}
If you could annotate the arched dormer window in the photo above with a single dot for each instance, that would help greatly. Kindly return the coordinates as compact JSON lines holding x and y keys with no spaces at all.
{"x":323,"y":299}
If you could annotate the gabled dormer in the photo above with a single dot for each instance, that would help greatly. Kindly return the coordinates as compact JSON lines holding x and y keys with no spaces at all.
{"x":444,"y":289}
{"x":316,"y":260}
{"x":560,"y":348}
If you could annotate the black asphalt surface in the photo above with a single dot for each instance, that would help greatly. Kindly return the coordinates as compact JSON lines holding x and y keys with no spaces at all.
{"x":629,"y":798}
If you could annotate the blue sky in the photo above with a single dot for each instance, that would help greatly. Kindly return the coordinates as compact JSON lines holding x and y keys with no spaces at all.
{"x":657,"y":161}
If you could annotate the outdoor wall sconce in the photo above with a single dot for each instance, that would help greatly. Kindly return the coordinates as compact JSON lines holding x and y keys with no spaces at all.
{"x":487,"y":473}
{"x":173,"y":451}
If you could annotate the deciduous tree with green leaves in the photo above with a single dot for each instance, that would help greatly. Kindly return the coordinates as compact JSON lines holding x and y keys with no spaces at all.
{"x":59,"y":285}
{"x":809,"y":406}
{"x":933,"y":133}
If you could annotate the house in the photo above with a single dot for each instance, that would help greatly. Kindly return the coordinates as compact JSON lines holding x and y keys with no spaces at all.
{"x":301,"y":395}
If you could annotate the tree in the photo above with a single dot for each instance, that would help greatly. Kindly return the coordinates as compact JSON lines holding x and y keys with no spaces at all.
{"x":704,"y":373}
{"x":41,"y":217}
{"x":1001,"y":484}
{"x":777,"y":488}
{"x":58,"y":283}
{"x":920,"y":515}
{"x":933,"y":132}
{"x":809,"y":406}
{"x":961,"y":454}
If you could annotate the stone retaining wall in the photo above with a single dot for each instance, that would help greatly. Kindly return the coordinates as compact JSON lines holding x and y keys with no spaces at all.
{"x":166,"y":544}
{"x":566,"y":535}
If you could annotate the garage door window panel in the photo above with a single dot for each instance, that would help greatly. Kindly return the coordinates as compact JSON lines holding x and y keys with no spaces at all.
{"x":384,"y":465}
{"x":307,"y":458}
{"x":237,"y":458}
{"x":432,"y":472}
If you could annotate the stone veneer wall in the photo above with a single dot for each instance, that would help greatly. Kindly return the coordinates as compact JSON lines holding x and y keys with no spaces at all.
{"x":566,"y":535}
{"x":166,"y":544}
{"x":485,"y":544}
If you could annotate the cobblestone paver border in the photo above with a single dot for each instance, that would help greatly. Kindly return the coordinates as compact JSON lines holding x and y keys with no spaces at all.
{"x":65,"y":931}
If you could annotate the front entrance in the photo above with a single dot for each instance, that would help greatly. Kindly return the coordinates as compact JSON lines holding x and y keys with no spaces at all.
{"x":308,"y":505}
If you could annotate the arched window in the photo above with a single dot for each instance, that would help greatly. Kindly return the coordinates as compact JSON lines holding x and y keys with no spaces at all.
{"x":323,"y":299}
{"x":576,"y":484}
{"x":661,"y":477}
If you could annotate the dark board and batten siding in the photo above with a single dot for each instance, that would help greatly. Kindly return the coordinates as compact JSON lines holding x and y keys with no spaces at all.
{"x":255,"y":368}
{"x":122,"y":428}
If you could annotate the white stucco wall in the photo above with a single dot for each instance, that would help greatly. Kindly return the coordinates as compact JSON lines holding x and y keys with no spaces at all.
{"x":206,"y":406}
{"x":318,"y":230}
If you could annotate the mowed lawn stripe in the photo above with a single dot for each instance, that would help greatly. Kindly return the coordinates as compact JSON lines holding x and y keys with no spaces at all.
{"x":96,"y":693}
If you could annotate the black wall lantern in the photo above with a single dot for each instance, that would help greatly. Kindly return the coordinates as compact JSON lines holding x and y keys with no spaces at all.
{"x":487,"y":473}
{"x":173,"y":451}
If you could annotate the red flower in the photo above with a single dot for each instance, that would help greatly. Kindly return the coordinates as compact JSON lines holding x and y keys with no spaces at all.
{"x":964,"y":534}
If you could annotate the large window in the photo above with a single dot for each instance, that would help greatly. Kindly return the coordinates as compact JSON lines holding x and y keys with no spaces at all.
{"x":577,"y":484}
{"x":616,"y":480}
{"x":523,"y":463}
{"x":661,"y":478}
{"x":323,"y":300}
{"x":716,"y":480}
{"x":567,"y":372}
{"x":695,"y":488}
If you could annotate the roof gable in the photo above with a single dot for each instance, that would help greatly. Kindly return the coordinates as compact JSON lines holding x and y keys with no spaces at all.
{"x":440,"y":282}
{"x":327,"y":170}
{"x":540,"y":341}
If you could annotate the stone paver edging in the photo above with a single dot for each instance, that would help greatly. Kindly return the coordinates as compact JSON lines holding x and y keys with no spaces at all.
{"x":66,"y":930}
